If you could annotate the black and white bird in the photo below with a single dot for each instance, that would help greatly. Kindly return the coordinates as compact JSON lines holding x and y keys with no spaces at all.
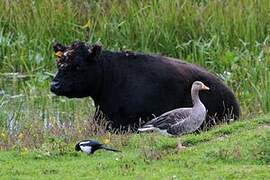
{"x":90,"y":146}
{"x":182,"y":120}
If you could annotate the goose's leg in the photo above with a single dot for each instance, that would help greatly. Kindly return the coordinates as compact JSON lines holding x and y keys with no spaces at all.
{"x":179,"y":145}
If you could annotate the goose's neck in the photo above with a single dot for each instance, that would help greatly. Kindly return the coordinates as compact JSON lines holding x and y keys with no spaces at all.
{"x":195,"y":97}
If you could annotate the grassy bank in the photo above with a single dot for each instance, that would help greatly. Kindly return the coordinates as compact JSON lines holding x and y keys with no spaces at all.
{"x":239,"y":150}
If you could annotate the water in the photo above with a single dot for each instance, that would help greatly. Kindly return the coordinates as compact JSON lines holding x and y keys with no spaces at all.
{"x":25,"y":100}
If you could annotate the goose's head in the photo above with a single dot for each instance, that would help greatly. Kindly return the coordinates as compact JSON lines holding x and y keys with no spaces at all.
{"x":198,"y":85}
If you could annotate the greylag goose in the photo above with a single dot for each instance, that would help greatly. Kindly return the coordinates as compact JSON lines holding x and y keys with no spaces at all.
{"x":182,"y":120}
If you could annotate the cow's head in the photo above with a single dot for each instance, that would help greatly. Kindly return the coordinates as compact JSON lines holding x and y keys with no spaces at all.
{"x":79,"y":69}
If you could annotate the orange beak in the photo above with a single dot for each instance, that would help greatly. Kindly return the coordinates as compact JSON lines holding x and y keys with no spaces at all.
{"x":205,"y":87}
{"x":59,"y":54}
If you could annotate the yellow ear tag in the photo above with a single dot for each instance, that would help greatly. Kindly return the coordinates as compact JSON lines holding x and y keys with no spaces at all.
{"x":106,"y":141}
{"x":59,"y":54}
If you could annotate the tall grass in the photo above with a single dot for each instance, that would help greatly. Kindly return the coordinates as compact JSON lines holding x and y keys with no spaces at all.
{"x":230,"y":38}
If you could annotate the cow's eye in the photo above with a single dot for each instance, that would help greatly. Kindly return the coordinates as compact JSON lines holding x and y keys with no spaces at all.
{"x":62,"y":66}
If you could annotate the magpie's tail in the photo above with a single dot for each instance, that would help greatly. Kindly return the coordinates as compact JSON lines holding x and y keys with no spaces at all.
{"x":111,"y":149}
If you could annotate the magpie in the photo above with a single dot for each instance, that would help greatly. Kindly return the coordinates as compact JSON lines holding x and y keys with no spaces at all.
{"x":90,"y":146}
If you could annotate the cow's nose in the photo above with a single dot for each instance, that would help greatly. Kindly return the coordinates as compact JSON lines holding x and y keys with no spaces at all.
{"x":55,"y":85}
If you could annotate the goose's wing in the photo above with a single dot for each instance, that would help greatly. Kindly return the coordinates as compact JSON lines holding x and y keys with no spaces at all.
{"x":169,"y":118}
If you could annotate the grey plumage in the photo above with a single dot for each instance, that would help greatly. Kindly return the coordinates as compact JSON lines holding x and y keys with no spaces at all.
{"x":182,"y":120}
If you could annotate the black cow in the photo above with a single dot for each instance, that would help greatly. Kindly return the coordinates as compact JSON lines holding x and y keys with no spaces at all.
{"x":129,"y":87}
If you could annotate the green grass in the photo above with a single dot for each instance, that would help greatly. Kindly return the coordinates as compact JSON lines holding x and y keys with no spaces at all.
{"x":38,"y":130}
{"x":240,"y":150}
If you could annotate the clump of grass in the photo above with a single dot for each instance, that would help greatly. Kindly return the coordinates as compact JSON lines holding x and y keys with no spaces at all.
{"x":252,"y":149}
{"x":153,"y":147}
{"x":195,"y":139}
{"x":34,"y":135}
{"x":261,"y":151}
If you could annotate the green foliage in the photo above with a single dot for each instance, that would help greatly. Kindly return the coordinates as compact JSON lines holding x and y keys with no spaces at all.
{"x":229,"y":38}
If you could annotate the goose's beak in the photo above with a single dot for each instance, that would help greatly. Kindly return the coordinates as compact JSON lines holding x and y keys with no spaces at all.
{"x":204,"y":87}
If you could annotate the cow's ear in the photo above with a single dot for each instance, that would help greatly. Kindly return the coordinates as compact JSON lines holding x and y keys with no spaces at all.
{"x":95,"y":50}
{"x":57,"y":47}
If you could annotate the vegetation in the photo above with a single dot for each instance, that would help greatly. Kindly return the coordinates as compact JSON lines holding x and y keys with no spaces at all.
{"x":229,"y":38}
{"x":237,"y":151}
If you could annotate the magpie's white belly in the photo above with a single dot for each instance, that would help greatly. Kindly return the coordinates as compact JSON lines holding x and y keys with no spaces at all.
{"x":86,"y":149}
